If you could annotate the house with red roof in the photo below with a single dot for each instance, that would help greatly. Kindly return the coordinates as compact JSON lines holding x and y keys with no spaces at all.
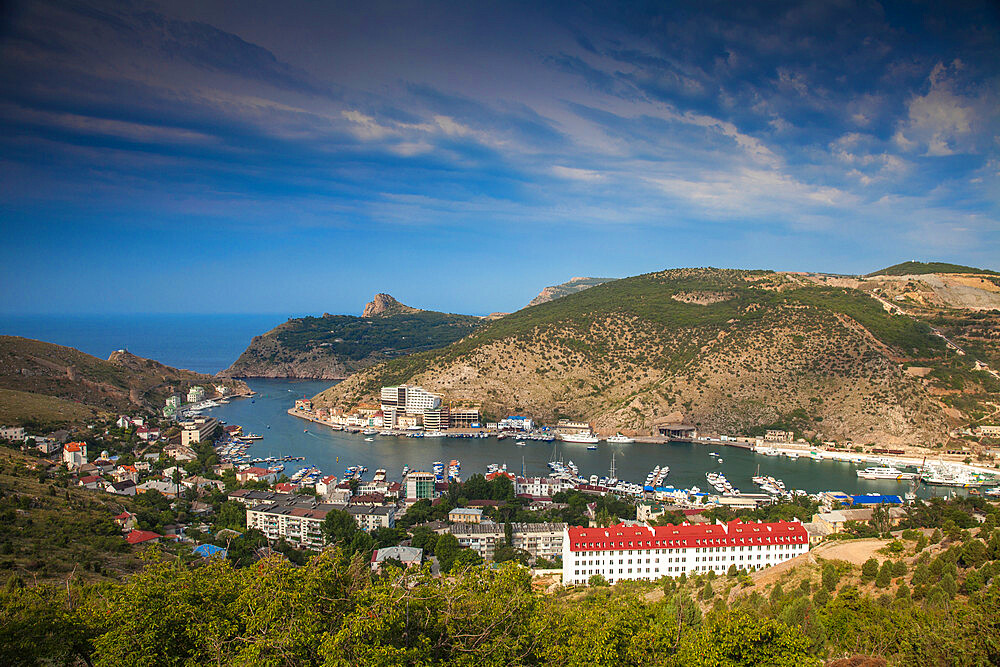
{"x":92,"y":482}
{"x":255,"y":474}
{"x":142,"y":537}
{"x":75,"y":454}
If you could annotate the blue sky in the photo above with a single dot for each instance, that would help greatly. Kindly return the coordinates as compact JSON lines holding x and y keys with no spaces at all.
{"x":297,"y":157}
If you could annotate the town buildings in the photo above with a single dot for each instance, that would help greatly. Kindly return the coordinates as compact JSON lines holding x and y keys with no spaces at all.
{"x":200,"y":429}
{"x":298,"y":519}
{"x":772,"y":435}
{"x":465,"y":515}
{"x":196,"y":394}
{"x":515,"y":423}
{"x":642,"y":552}
{"x":543,"y":540}
{"x":410,"y":405}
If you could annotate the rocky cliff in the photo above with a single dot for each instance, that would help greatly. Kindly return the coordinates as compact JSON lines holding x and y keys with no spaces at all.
{"x":572,"y":286}
{"x":383,"y":304}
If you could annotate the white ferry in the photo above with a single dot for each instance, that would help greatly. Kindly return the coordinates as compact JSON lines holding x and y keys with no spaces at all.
{"x":585,"y":438}
{"x":886,"y":473}
{"x":619,"y":439}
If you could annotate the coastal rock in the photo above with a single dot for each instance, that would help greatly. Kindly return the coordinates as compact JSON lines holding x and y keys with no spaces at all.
{"x":572,"y":286}
{"x":385,"y":304}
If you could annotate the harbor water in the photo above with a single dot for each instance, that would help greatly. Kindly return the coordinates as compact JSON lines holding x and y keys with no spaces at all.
{"x":333,"y":451}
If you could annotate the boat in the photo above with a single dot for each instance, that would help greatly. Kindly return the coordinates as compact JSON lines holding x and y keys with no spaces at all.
{"x":592,"y":447}
{"x":587,"y":438}
{"x":369,"y":439}
{"x":619,"y":439}
{"x":520,"y":443}
{"x":885,"y":473}
{"x":370,"y":431}
{"x":252,"y":436}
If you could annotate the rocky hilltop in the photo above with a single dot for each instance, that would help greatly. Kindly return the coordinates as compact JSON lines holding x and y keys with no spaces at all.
{"x":333,"y":347}
{"x":732,"y":351}
{"x":572,"y":286}
{"x":43,"y":375}
{"x":383,"y":304}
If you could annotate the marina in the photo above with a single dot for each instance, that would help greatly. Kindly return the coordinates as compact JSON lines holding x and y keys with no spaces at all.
{"x":332,"y":450}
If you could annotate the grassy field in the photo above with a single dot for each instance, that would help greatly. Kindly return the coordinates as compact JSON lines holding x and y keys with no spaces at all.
{"x":21,"y":408}
{"x":49,"y":531}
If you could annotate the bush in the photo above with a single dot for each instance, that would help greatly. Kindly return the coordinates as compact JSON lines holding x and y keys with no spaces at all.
{"x":830,"y":577}
{"x":597,"y":580}
{"x":869,"y":570}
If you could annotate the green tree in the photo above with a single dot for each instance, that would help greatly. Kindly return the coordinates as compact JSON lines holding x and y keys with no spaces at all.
{"x":884,"y":577}
{"x":232,"y":514}
{"x":869,"y":570}
{"x":741,"y":638}
{"x":830,"y":577}
{"x":477,"y":488}
{"x":973,"y":554}
{"x":338,"y":527}
{"x":597,"y":580}
{"x":948,"y":585}
{"x":446,"y":550}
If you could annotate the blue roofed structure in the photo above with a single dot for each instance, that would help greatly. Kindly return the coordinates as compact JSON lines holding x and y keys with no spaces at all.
{"x":876,"y":499}
{"x":209,"y":550}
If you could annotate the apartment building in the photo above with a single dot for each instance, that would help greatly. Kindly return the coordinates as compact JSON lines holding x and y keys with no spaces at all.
{"x":538,"y":539}
{"x":299,"y":521}
{"x":200,"y":429}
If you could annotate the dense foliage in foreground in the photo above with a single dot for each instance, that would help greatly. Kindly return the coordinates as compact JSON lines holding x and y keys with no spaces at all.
{"x":335,"y":611}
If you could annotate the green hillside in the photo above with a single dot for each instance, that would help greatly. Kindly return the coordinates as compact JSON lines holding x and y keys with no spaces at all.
{"x":729,"y":349}
{"x":334,"y":346}
{"x":122,"y":382}
{"x":921,"y":268}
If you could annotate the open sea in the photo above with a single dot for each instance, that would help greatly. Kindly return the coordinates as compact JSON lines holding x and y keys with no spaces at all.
{"x":201,"y":343}
{"x":210,"y":343}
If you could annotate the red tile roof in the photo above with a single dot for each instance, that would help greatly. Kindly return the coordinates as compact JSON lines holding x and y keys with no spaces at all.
{"x":140,"y":536}
{"x":734,"y":533}
{"x":74,"y":446}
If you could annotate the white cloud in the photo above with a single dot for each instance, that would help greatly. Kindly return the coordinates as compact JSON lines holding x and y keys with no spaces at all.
{"x":942,"y":121}
{"x":574,"y":174}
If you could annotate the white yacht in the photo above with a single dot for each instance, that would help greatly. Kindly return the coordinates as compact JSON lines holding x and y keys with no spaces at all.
{"x":619,"y":439}
{"x":586,"y":438}
{"x":886,"y":473}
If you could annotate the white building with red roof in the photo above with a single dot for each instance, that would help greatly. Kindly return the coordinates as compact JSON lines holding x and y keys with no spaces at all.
{"x":642,"y":552}
{"x":75,"y":454}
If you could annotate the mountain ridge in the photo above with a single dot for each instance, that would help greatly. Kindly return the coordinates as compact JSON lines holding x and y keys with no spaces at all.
{"x":733,"y":350}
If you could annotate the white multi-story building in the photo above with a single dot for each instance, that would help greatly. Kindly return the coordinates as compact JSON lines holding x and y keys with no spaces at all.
{"x":515,"y":423}
{"x":196,"y":394}
{"x":413,"y":400}
{"x":643,"y":552}
{"x":540,"y":487}
{"x":419,"y":485}
{"x":299,"y":521}
{"x":538,"y":539}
